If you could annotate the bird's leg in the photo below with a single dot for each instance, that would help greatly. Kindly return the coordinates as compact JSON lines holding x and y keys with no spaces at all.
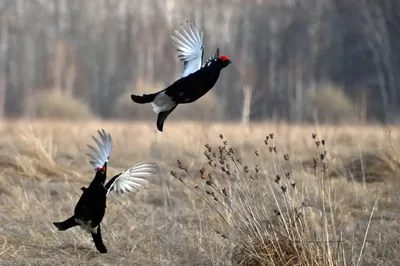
{"x":70,"y":222}
{"x":162,"y":116}
{"x":98,"y":242}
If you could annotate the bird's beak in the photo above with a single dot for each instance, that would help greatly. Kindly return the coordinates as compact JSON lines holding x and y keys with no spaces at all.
{"x":229,"y":61}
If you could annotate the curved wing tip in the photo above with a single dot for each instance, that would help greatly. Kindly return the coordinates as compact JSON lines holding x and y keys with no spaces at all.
{"x":101,"y":153}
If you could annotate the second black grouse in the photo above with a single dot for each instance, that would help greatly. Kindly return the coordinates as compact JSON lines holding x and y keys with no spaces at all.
{"x":196,"y":80}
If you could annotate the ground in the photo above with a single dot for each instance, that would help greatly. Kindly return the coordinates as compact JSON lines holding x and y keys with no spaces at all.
{"x":43,"y":165}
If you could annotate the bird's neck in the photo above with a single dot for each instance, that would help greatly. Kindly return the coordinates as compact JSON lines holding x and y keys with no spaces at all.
{"x":99,"y":179}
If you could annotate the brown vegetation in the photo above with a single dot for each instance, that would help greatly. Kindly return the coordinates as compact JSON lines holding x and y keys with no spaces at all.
{"x":55,"y":104}
{"x":244,"y":199}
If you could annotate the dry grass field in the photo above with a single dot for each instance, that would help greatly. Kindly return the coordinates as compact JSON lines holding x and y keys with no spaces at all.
{"x":248,"y":201}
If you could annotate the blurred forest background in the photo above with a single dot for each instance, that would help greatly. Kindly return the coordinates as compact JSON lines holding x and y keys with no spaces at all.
{"x":293,"y":60}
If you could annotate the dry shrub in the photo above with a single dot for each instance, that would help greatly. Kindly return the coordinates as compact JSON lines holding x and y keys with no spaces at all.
{"x":204,"y":108}
{"x":126,"y":109}
{"x":329,"y":104}
{"x":369,"y":167}
{"x":33,"y":156}
{"x":267,"y":214}
{"x":280,"y":251}
{"x":54,"y":104}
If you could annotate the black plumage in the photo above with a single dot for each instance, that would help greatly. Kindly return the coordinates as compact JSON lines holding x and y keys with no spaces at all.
{"x":196,"y":80}
{"x":91,"y":207}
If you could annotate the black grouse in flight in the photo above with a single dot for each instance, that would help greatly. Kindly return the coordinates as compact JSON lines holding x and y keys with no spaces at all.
{"x":91,"y":207}
{"x":197,"y":78}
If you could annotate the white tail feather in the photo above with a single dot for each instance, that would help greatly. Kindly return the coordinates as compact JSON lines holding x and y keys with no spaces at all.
{"x":162,"y":102}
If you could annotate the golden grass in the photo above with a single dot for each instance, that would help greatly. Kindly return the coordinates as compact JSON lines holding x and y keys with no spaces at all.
{"x":323,"y":221}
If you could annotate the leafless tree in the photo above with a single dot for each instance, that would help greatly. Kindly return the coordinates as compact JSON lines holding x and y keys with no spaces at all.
{"x":281,"y":51}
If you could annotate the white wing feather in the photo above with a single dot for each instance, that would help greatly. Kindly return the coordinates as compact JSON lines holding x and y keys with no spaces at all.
{"x":101,"y":154}
{"x":189,"y":44}
{"x":132,"y":179}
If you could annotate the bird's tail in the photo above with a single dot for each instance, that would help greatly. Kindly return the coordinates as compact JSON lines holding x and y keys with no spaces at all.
{"x":145,"y":98}
{"x":162,"y":116}
{"x":62,"y":226}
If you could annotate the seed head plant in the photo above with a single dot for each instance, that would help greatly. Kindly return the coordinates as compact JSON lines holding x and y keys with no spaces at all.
{"x":270,"y":217}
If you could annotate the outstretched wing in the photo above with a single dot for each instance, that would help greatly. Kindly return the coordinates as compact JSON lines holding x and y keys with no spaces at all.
{"x":101,"y":154}
{"x":189,"y":44}
{"x":132,"y":179}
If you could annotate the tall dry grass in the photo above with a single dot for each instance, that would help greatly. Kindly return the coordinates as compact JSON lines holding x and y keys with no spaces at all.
{"x":268,"y":211}
{"x":244,"y":199}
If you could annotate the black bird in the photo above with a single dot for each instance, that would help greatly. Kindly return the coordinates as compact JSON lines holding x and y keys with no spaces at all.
{"x":91,"y":207}
{"x":196,"y":80}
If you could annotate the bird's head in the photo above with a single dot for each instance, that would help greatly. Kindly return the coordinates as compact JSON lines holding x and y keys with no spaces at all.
{"x":101,"y":174}
{"x":224,"y":60}
{"x":102,"y":170}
